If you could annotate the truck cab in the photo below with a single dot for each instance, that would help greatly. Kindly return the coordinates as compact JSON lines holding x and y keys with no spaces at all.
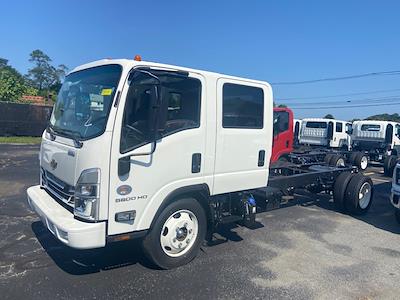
{"x":282,"y":134}
{"x":377,"y":137}
{"x":145,"y":150}
{"x":326,"y":133}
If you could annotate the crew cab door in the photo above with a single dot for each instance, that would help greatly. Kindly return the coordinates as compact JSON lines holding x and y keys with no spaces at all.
{"x":244,"y":135}
{"x":178,"y":159}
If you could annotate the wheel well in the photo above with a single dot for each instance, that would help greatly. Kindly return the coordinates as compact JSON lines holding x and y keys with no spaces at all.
{"x":199,"y":192}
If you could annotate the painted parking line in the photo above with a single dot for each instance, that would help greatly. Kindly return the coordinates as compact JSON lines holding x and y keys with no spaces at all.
{"x":369,"y":173}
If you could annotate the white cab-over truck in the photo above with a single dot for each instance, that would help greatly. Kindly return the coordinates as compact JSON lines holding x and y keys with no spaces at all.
{"x":379,"y":140}
{"x":163,"y":153}
{"x":326,"y":133}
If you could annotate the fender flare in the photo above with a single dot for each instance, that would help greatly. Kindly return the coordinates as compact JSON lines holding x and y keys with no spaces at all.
{"x":202,"y":194}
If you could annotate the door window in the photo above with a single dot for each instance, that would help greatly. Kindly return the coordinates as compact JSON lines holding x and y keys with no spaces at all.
{"x":339,"y":127}
{"x":183,"y":95}
{"x":281,"y":122}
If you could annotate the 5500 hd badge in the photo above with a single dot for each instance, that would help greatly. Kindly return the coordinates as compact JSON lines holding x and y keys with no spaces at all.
{"x":124,"y":190}
{"x":131,"y":198}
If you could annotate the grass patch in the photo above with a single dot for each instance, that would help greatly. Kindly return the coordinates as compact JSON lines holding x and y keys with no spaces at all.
{"x":20,"y":140}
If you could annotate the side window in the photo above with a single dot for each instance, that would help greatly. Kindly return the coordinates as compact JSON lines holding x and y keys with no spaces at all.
{"x":281,"y":122}
{"x":339,"y":127}
{"x":243,"y":106}
{"x":183,"y":95}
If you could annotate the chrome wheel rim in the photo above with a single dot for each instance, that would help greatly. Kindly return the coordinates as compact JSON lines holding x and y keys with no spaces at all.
{"x":179,"y":233}
{"x":340,"y":163}
{"x":364,"y":163}
{"x":364,"y":195}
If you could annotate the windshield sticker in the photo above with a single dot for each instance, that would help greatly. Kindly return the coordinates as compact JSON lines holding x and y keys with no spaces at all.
{"x":96,"y":102}
{"x":106,"y":92}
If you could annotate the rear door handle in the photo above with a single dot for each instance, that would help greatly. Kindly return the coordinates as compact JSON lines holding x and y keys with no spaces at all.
{"x":261,"y":158}
{"x":196,"y":162}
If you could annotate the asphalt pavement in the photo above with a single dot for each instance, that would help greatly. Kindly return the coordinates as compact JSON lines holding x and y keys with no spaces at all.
{"x":305,"y":250}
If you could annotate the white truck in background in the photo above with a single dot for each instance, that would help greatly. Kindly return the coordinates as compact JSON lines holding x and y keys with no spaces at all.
{"x":379,"y":140}
{"x":164,"y":153}
{"x":395,"y":194}
{"x":326,"y":133}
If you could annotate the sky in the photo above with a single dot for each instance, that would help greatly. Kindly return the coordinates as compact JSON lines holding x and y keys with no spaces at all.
{"x":275,"y":41}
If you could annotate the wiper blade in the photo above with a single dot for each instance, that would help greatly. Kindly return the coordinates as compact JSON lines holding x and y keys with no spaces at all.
{"x":67,"y":133}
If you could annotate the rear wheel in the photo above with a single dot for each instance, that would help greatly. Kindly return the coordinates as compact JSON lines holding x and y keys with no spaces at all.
{"x":358,"y":196}
{"x":389,"y":164}
{"x":337,"y":161}
{"x":339,"y":189}
{"x":328,"y":157}
{"x":177,"y":234}
{"x":352,"y":157}
{"x":361,"y":161}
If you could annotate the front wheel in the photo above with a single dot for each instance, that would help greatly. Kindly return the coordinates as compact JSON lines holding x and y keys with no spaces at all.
{"x":177,"y":234}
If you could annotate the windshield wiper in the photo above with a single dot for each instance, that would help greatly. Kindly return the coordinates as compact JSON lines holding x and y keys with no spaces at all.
{"x":66,"y":133}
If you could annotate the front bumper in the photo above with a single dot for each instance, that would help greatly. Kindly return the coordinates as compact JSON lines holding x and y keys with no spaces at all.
{"x":62,"y":224}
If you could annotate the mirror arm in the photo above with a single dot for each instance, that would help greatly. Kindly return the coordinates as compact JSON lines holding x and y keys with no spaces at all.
{"x":153,"y":149}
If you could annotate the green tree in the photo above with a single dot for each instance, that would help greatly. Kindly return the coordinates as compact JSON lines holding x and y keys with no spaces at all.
{"x":12,"y":83}
{"x":44,"y":76}
{"x":329,"y":116}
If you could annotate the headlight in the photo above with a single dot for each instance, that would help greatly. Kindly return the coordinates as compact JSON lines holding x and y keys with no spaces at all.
{"x":87,"y":195}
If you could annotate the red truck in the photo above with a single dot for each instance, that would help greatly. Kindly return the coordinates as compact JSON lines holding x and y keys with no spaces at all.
{"x":283,"y":134}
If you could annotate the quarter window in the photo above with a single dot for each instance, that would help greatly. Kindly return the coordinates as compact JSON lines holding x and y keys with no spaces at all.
{"x":243,"y":106}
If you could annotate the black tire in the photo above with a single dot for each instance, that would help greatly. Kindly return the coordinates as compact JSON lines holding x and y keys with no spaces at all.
{"x":354,"y":188}
{"x":352,"y":157}
{"x":389,"y":164}
{"x":337,"y":160}
{"x":152,"y":242}
{"x":328,"y":157}
{"x":358,"y":161}
{"x":339,"y":189}
{"x":397,"y":215}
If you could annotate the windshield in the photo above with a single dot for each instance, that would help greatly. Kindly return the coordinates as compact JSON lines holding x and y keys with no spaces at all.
{"x":84,"y":102}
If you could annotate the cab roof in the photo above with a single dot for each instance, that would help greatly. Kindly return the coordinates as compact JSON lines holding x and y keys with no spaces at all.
{"x":130,"y":63}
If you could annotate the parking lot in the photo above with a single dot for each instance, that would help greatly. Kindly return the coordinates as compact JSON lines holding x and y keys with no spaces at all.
{"x":304,"y":250}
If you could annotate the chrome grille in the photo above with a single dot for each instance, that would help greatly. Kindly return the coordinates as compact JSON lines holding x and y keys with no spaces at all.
{"x":58,"y":188}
